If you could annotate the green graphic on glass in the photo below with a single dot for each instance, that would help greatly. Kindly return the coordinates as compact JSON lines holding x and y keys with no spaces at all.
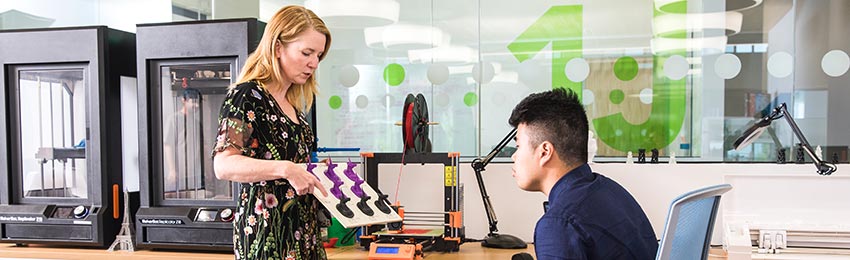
{"x":626,"y":68}
{"x":616,"y":97}
{"x":394,"y":74}
{"x":335,"y":102}
{"x":562,"y":26}
{"x":665,"y":119}
{"x":470,"y":99}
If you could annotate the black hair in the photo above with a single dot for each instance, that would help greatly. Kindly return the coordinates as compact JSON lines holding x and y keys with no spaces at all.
{"x":556,"y":116}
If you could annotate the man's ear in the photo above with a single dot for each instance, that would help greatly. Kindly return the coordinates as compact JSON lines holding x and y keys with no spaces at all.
{"x":546,"y":152}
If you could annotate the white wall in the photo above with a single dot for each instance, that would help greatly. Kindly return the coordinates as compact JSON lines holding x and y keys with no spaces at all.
{"x":125,"y":14}
{"x":117,"y":14}
{"x":235,"y":9}
{"x":130,"y":133}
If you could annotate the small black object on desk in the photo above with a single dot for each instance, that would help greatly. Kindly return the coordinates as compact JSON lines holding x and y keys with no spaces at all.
{"x":522,"y":256}
{"x":654,"y":158}
{"x":801,"y":157}
{"x":780,"y":155}
{"x":641,"y":155}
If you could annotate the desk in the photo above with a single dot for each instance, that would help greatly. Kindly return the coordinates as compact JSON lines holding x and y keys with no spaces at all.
{"x":788,"y":254}
{"x":52,"y":252}
{"x":467,"y":251}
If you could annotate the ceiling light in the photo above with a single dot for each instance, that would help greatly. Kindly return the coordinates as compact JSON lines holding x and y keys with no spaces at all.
{"x":740,"y":5}
{"x":707,"y":45}
{"x":374,"y":37}
{"x":405,"y":37}
{"x":445,"y":54}
{"x":708,"y":24}
{"x":681,"y":6}
{"x":355,"y":14}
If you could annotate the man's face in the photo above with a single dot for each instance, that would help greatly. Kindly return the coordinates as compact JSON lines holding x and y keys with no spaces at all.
{"x":527,"y":167}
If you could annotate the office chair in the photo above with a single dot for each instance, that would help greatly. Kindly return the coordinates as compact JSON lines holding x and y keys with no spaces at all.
{"x":690,"y":221}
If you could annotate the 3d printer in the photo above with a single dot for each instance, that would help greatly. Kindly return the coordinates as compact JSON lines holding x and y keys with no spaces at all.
{"x":185,"y":69}
{"x":61,"y":170}
{"x":443,"y":230}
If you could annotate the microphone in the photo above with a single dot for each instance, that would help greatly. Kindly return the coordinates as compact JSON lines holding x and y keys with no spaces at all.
{"x":522,"y":256}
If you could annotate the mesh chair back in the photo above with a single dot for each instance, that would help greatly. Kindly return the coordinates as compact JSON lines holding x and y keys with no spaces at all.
{"x":690,"y":221}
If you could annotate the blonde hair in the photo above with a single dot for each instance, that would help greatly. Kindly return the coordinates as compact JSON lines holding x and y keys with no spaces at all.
{"x":262,"y":66}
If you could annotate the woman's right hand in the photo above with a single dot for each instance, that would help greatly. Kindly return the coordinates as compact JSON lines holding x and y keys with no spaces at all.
{"x":302,"y":181}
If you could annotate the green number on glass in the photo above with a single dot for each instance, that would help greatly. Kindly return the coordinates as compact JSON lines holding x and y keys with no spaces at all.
{"x":562,"y":27}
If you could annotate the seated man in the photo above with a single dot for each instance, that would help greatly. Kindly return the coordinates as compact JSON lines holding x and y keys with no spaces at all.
{"x":590,"y":216}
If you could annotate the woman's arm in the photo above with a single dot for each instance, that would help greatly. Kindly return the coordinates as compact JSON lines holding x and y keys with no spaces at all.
{"x":231,"y":165}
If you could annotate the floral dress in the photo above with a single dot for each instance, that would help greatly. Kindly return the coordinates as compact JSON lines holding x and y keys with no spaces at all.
{"x":271,"y":222}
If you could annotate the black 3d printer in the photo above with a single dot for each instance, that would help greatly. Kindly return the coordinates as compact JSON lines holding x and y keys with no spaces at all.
{"x":185,"y":69}
{"x":61,"y":170}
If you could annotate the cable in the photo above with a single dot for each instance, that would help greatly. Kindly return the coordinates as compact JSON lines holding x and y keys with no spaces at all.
{"x":349,"y":235}
{"x":398,"y":182}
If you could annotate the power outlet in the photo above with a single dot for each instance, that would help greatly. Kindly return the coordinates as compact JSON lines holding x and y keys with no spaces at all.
{"x":771,"y":239}
{"x":737,"y":241}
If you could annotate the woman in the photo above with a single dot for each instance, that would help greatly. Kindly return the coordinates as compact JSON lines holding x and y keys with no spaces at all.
{"x":263,"y":135}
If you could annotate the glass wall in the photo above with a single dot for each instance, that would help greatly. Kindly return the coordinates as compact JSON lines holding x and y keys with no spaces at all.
{"x":686,"y":77}
{"x":683,"y":77}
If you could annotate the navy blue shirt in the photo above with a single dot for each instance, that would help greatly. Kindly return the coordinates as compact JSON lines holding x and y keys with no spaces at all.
{"x":592,"y":217}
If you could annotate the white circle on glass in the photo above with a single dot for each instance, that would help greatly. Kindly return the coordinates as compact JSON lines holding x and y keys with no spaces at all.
{"x":676,"y":67}
{"x":361,"y":101}
{"x":577,"y":70}
{"x":727,"y":66}
{"x":587,"y":97}
{"x":349,"y":76}
{"x":835,"y":63}
{"x":780,"y":64}
{"x":438,"y":74}
{"x":646,"y":96}
{"x":485,"y":75}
